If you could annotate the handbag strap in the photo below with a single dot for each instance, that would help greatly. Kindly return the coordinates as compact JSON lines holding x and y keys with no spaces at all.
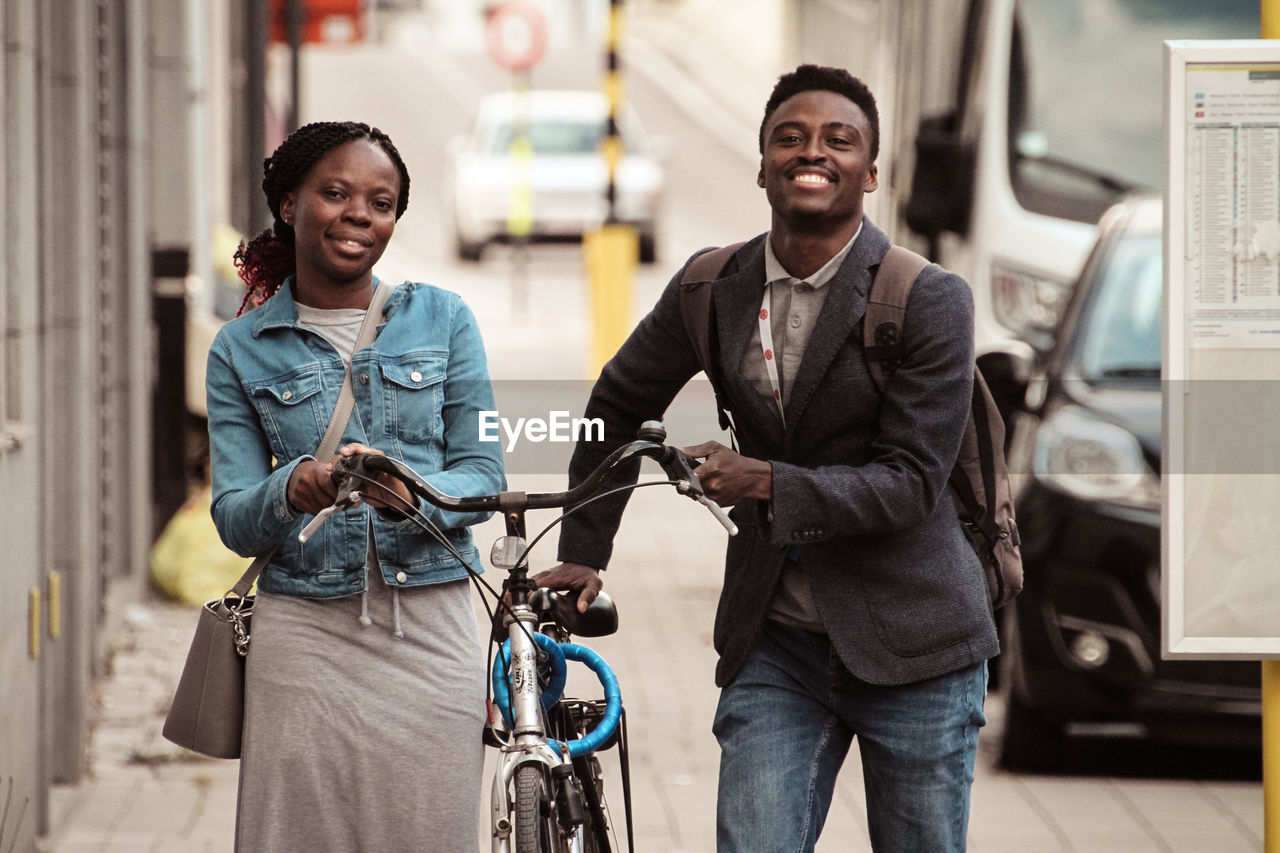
{"x":337,"y":425}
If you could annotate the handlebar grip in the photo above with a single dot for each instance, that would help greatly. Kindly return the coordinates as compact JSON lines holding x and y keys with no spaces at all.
{"x":720,"y":514}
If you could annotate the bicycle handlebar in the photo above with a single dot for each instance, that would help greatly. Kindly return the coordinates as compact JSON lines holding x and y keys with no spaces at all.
{"x":352,"y":471}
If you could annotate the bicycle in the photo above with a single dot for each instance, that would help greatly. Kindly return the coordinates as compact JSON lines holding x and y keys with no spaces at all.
{"x":547,"y":790}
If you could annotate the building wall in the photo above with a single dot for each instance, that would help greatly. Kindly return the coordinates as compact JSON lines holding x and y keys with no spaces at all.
{"x":108,"y":107}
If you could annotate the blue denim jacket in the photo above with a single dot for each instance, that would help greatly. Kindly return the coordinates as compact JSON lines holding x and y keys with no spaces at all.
{"x":272,"y":387}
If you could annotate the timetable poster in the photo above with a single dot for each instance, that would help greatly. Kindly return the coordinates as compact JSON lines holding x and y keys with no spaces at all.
{"x":1233,"y":205}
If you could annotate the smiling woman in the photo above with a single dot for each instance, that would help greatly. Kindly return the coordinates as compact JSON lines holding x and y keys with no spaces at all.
{"x":369,"y":631}
{"x":343,"y":215}
{"x":322,"y":159}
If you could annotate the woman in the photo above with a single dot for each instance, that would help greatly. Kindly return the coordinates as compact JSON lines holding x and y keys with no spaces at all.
{"x":365,"y":680}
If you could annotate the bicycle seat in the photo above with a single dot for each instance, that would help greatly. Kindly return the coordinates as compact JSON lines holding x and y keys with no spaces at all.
{"x":600,"y":620}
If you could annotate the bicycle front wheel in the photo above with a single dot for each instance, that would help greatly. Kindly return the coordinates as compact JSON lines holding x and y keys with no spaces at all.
{"x":535,"y":822}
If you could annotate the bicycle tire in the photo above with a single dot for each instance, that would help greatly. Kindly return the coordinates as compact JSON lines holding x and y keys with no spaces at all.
{"x":535,"y":829}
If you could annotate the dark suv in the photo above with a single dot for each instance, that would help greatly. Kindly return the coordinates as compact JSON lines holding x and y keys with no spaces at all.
{"x":1082,"y":642}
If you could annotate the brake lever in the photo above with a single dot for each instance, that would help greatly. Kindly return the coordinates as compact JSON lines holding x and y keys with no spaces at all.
{"x":687,"y":483}
{"x":719,"y":513}
{"x":348,"y":496}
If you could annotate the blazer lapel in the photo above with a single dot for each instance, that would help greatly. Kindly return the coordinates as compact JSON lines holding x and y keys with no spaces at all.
{"x":737,"y":302}
{"x":845,"y":305}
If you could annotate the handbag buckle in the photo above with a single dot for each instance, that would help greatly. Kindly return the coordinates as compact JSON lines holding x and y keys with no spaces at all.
{"x":235,"y":615}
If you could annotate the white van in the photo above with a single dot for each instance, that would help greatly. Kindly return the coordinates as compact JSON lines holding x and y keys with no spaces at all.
{"x":1013,"y":124}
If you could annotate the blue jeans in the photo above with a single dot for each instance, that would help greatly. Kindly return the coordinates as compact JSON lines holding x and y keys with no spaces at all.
{"x":786,"y":723}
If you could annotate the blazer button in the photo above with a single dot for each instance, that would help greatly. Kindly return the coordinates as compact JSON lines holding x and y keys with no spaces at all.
{"x":401,"y":577}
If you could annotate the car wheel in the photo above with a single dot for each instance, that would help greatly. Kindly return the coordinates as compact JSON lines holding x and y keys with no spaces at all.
{"x":1032,"y":740}
{"x":648,"y":248}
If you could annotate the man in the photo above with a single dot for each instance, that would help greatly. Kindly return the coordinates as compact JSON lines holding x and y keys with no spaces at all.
{"x":852,"y":603}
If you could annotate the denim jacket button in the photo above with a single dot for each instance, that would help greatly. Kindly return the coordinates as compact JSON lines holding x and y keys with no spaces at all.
{"x":401,"y":577}
{"x":415,"y":376}
{"x":287,"y":395}
{"x":364,"y":379}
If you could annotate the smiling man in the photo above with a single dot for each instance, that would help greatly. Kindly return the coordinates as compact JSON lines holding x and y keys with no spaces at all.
{"x":852,"y":606}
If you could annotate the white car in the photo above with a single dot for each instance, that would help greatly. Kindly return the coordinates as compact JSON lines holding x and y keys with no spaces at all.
{"x":558,"y":190}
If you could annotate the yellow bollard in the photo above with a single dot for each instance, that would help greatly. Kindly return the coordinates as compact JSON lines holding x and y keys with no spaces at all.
{"x":610,"y":255}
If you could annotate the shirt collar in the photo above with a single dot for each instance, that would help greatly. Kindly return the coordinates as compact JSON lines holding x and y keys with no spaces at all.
{"x":774,"y":271}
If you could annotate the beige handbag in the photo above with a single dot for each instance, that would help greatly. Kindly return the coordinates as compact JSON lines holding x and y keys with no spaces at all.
{"x":207,"y":713}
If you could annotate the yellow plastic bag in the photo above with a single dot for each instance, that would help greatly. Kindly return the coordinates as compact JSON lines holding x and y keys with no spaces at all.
{"x":189,"y":563}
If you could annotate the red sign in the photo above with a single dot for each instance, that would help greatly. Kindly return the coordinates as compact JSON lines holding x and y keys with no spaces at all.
{"x":323,"y":21}
{"x":515,"y":35}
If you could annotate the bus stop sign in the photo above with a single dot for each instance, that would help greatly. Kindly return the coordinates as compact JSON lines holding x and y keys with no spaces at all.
{"x":515,"y":35}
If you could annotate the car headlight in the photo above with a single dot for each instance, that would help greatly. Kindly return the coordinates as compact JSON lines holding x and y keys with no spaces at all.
{"x":1029,"y":304}
{"x":1093,"y":460}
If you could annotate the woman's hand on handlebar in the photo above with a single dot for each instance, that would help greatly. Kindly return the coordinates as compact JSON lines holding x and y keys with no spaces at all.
{"x":573,"y":576}
{"x":311,"y":489}
{"x":373,"y":495}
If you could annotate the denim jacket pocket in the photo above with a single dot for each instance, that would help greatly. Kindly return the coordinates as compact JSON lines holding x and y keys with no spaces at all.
{"x":290,"y":408}
{"x":414,"y":386}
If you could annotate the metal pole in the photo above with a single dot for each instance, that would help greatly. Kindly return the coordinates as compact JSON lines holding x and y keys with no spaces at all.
{"x":293,"y":21}
{"x":520,"y":205}
{"x":255,"y":216}
{"x":611,"y":252}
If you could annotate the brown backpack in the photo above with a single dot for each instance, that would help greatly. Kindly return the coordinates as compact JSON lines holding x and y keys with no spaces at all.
{"x":980,"y":478}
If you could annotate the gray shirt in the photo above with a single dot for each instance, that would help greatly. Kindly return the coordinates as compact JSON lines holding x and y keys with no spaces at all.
{"x":793,"y":311}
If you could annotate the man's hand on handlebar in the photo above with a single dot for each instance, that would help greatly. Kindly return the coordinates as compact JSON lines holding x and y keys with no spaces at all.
{"x":728,"y":477}
{"x":572,"y":576}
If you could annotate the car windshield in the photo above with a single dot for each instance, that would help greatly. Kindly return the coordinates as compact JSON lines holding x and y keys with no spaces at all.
{"x":548,"y":137}
{"x":1085,"y":94}
{"x":1120,"y":337}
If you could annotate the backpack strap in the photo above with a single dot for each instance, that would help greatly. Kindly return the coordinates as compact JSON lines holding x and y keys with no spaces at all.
{"x":882,"y":342}
{"x":698,"y":312}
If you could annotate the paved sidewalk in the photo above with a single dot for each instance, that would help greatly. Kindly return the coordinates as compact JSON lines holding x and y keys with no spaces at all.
{"x":143,"y":794}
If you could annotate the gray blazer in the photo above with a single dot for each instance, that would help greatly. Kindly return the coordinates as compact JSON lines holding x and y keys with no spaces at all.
{"x":859,"y":480}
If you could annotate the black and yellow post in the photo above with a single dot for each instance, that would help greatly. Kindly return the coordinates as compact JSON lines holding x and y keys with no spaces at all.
{"x":610,"y":252}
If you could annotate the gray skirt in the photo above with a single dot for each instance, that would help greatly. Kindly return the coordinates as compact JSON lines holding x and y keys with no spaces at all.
{"x":356,"y":739}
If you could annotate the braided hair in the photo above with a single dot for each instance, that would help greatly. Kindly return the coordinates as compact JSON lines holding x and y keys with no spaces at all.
{"x":268,"y":259}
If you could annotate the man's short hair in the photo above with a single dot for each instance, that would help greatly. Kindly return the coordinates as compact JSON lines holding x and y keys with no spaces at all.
{"x":807,"y":78}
